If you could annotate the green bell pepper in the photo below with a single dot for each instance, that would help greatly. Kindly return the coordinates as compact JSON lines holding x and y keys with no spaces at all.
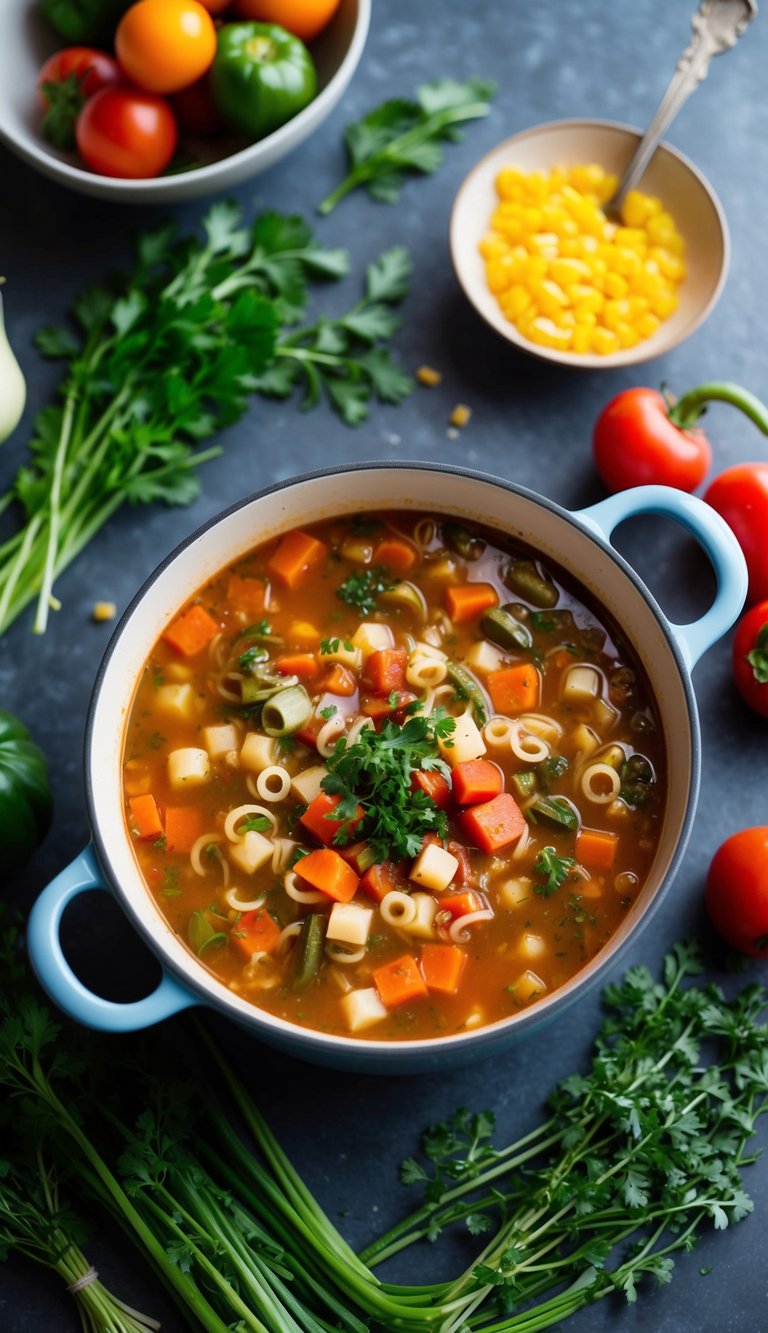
{"x":25,"y":799}
{"x":86,"y":22}
{"x":261,"y":77}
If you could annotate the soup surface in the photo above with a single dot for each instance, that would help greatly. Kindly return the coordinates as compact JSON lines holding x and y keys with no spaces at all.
{"x":389,"y":777}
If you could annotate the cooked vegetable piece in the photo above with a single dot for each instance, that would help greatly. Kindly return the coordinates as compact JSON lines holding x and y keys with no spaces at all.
{"x":493,"y":824}
{"x":434,"y":785}
{"x":255,"y":932}
{"x":250,"y":595}
{"x":296,"y":555}
{"x":442,"y":966}
{"x":555,"y":810}
{"x":523,"y":577}
{"x":303,"y":665}
{"x":467,"y":687}
{"x":286,"y":710}
{"x":183,"y":827}
{"x":379,"y":880}
{"x":145,"y":816}
{"x":465,"y":601}
{"x":325,"y":870}
{"x":462,"y":904}
{"x":476,"y":780}
{"x":396,"y":555}
{"x":192,"y":631}
{"x":501,"y":627}
{"x":465,"y":543}
{"x":399,"y":982}
{"x":515,"y":689}
{"x":318,"y":818}
{"x":308,"y":951}
{"x":552,"y":870}
{"x":596,"y":848}
{"x":339,"y":680}
{"x":202,"y":933}
{"x":385,"y":670}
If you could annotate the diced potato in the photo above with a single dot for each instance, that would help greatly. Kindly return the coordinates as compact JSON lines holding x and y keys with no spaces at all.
{"x":585,"y":740}
{"x":257,"y":752}
{"x":581,"y":685}
{"x":515,"y":892}
{"x":307,"y":785}
{"x":434,"y":868}
{"x":362,"y":1008}
{"x":484,"y":656}
{"x":177,"y":671}
{"x":137,"y":779}
{"x":370,"y":637}
{"x":528,"y":985}
{"x":349,"y":657}
{"x":605,"y":714}
{"x":349,"y":924}
{"x":189,"y":767}
{"x":303,"y":631}
{"x":422,"y":925}
{"x":220,"y":740}
{"x":251,"y":852}
{"x":465,"y":742}
{"x":613,"y":755}
{"x":176,"y":701}
{"x":531,"y":947}
{"x":359,"y":549}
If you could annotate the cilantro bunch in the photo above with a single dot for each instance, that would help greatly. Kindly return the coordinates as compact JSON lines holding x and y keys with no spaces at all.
{"x":376,"y":773}
{"x":163,"y":358}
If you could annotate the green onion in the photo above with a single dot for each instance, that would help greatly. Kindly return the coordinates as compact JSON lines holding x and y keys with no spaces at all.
{"x":286,"y":711}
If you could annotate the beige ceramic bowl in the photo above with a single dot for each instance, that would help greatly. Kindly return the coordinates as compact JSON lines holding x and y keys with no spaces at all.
{"x":683,"y":190}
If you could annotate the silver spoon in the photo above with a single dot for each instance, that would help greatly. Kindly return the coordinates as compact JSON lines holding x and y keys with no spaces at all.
{"x":717,"y":25}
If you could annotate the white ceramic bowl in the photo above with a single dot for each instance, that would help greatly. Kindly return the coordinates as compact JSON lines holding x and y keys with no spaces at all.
{"x":683,"y":190}
{"x":26,"y":40}
{"x":580,"y":542}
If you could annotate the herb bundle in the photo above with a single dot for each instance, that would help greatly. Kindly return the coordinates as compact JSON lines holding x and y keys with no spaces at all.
{"x":162,"y":359}
{"x":638,"y":1156}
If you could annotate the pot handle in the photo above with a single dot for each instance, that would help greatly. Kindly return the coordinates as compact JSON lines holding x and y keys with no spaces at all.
{"x":56,"y":976}
{"x":710,"y":531}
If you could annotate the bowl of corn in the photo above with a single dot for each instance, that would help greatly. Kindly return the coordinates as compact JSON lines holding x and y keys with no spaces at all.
{"x":553,"y":272}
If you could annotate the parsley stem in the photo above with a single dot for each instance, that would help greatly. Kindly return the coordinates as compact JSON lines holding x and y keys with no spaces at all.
{"x":54,"y":512}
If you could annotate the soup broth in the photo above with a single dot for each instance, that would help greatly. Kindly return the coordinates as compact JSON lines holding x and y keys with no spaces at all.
{"x":391,"y":777}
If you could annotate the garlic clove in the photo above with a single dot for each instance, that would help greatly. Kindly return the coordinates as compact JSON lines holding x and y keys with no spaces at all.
{"x":13,"y":388}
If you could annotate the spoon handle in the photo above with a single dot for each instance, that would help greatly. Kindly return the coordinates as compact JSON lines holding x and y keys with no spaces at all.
{"x":717,"y":25}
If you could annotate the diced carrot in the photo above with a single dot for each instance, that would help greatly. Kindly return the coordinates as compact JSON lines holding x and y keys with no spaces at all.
{"x":302,"y":634}
{"x":297,"y":553}
{"x":255,"y":932}
{"x":145,"y":816}
{"x":192,"y":631}
{"x":381,"y":706}
{"x":462,"y":904}
{"x":398,"y":555}
{"x":379,"y":880}
{"x":325,"y":870}
{"x":183,"y":827}
{"x":357,"y":855}
{"x":435,"y":785}
{"x":248,"y":594}
{"x":515,"y":689}
{"x":476,"y":780}
{"x":339,"y":679}
{"x":314,"y":818}
{"x":493,"y":824}
{"x":464,"y":873}
{"x":303,"y":665}
{"x":385,"y":670}
{"x":466,"y":601}
{"x":441,"y":967}
{"x":595,"y":848}
{"x":399,"y":982}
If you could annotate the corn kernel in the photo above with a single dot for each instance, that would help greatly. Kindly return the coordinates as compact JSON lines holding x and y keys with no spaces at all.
{"x":103,"y":611}
{"x":566,"y":271}
{"x":460,"y":415}
{"x":548,"y":296}
{"x":546,"y":332}
{"x":429,"y":377}
{"x":647,"y":325}
{"x":614,"y":285}
{"x":604,"y":342}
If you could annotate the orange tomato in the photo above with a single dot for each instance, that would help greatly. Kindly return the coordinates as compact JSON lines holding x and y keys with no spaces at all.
{"x":304,"y":18}
{"x":216,"y":6}
{"x":164,"y":45}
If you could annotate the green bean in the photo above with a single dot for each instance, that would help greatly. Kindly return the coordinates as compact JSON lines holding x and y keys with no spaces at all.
{"x":500,"y":626}
{"x":201,"y":933}
{"x":286,"y":711}
{"x":523,"y":577}
{"x":461,"y":541}
{"x":308,"y":954}
{"x":467,"y":687}
{"x":555,"y":810}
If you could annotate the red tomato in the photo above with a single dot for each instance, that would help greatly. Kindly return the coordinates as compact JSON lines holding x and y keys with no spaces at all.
{"x":636,"y":444}
{"x":737,"y":891}
{"x":304,"y":18}
{"x":128,"y":133}
{"x":164,"y":45}
{"x":750,"y":658}
{"x":195,"y":109}
{"x":740,"y":495}
{"x":94,"y":70}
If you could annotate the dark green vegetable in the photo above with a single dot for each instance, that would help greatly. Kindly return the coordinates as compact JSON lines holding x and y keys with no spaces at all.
{"x":85,"y":22}
{"x":261,"y":77}
{"x":501,"y":627}
{"x":25,"y":798}
{"x":524,"y":782}
{"x":523,"y":577}
{"x":462,"y":542}
{"x":202,"y":934}
{"x":554,"y":810}
{"x":637,"y":778}
{"x":550,"y":769}
{"x":401,"y":136}
{"x":467,"y":687}
{"x":553,"y":622}
{"x":308,"y":952}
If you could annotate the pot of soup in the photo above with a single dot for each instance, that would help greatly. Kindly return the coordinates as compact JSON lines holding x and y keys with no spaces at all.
{"x":389,"y":763}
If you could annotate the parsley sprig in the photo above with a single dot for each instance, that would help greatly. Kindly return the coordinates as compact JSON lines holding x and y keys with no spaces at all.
{"x":402,"y":135}
{"x":167,"y":355}
{"x":376,"y":773}
{"x":553,"y":870}
{"x":362,"y":588}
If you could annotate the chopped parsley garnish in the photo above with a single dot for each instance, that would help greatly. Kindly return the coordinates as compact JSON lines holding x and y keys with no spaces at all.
{"x":376,"y":773}
{"x":554,"y":870}
{"x":363,"y":587}
{"x":156,"y":741}
{"x":255,"y":824}
{"x":550,"y":769}
{"x":328,"y":712}
{"x":258,"y":631}
{"x":251,"y":656}
{"x":328,"y":646}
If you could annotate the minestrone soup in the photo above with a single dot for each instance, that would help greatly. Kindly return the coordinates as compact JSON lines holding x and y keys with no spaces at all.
{"x":390,"y":777}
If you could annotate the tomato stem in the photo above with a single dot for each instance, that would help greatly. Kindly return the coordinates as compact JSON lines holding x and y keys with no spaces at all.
{"x":687,"y":410}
